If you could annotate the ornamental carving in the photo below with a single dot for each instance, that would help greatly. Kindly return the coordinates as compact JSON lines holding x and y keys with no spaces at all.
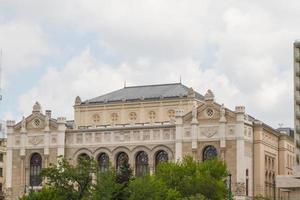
{"x":53,"y":140}
{"x":166,"y":134}
{"x":146,"y":135}
{"x":209,"y":131}
{"x":240,"y":189}
{"x":35,"y":140}
{"x":98,"y":137}
{"x":156,"y":134}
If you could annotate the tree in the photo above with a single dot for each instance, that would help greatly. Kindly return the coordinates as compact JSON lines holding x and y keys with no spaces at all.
{"x":45,"y":194}
{"x":150,"y":188}
{"x":107,"y":188}
{"x":69,"y":181}
{"x":192,"y":179}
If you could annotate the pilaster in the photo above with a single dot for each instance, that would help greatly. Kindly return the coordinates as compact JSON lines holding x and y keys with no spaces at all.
{"x":178,"y":134}
{"x":61,"y":136}
{"x":240,"y":153}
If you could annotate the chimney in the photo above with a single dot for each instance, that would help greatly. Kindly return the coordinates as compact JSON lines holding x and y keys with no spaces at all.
{"x":48,"y":113}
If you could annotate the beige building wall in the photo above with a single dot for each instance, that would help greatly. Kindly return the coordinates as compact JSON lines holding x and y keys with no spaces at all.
{"x":180,"y":126}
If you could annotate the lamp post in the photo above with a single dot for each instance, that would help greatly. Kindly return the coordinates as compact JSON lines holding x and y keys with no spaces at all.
{"x":229,"y":186}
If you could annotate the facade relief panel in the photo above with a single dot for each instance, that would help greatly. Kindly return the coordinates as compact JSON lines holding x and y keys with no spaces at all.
{"x":209,"y":131}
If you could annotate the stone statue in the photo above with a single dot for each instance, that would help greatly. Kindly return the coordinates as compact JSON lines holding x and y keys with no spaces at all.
{"x":23,"y":123}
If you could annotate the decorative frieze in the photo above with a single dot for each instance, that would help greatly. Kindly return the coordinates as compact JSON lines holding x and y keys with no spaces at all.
{"x":35,"y":140}
{"x":209,"y":131}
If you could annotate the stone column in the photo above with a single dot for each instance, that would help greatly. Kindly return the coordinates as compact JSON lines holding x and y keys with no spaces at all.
{"x":222,"y":132}
{"x":178,"y":134}
{"x":194,"y":130}
{"x":240,"y":153}
{"x":61,"y":136}
{"x":9,"y":155}
{"x":46,"y":140}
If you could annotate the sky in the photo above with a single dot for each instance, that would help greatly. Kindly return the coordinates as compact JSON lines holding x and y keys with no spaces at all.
{"x":54,"y":50}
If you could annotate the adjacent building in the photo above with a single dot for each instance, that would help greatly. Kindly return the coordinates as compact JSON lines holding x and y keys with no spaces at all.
{"x":144,"y":125}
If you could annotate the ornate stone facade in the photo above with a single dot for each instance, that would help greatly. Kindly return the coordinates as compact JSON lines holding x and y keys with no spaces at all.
{"x":147,"y":124}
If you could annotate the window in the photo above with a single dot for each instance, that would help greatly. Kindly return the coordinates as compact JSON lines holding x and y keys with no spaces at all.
{"x":96,"y":118}
{"x":141,"y":163}
{"x":209,"y":152}
{"x":209,"y":112}
{"x":1,"y":190}
{"x":122,"y":159}
{"x":35,"y":169}
{"x":103,"y":162}
{"x":1,"y":157}
{"x":114,"y":117}
{"x":247,"y":182}
{"x":171,"y":114}
{"x":152,"y":115}
{"x":132,"y":116}
{"x":83,"y":156}
{"x":161,"y":156}
{"x":1,"y":172}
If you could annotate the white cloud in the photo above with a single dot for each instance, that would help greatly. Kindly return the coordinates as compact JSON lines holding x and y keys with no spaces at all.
{"x":240,"y":49}
{"x":23,"y":45}
{"x":88,"y":77}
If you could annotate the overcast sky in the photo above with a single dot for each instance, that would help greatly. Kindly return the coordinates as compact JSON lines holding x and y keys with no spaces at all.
{"x":55,"y":50}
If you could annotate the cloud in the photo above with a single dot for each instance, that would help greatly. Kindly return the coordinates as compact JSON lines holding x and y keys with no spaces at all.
{"x":23,"y":45}
{"x":240,"y":49}
{"x":88,"y":77}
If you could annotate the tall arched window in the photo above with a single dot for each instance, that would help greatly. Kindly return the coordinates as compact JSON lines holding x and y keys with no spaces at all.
{"x":83,"y":156}
{"x":103,"y":162}
{"x":209,"y":152}
{"x":122,"y":158}
{"x":161,"y":156}
{"x":141,"y":163}
{"x":35,"y":169}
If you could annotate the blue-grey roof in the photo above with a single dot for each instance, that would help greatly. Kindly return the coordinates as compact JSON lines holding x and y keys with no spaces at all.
{"x":146,"y":92}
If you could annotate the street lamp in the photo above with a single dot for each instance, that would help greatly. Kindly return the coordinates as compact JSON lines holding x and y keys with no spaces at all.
{"x":229,"y":186}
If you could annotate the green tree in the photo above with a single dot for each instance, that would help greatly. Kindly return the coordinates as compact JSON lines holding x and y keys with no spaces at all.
{"x":150,"y":188}
{"x":107,"y":188}
{"x":192,"y":179}
{"x":45,"y":194}
{"x":73,"y":182}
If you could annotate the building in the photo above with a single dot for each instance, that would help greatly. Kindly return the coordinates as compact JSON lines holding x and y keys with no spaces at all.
{"x":297,"y":98}
{"x":144,"y":125}
{"x":2,"y":166}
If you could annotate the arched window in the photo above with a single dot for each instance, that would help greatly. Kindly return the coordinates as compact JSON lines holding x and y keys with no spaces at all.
{"x":141,"y":163}
{"x":83,"y":156}
{"x":161,"y":156}
{"x":209,"y":152}
{"x":35,"y":169}
{"x":103,"y":162}
{"x":122,"y":158}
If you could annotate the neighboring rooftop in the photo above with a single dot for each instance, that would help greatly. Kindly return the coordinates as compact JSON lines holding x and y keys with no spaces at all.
{"x":145,"y":92}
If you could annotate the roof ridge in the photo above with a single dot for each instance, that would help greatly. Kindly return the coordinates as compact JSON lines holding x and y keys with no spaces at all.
{"x":150,"y":85}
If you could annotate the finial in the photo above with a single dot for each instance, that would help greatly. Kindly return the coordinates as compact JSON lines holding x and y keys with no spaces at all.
{"x":36,"y":107}
{"x":180,"y":79}
{"x":209,"y":96}
{"x":125,"y":84}
{"x":77,"y":100}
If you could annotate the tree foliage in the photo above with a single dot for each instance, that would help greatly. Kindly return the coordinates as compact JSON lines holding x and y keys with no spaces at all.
{"x":185,"y":180}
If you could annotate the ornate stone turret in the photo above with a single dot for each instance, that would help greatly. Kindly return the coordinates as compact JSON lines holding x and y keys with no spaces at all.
{"x":209,"y":96}
{"x":36,"y":108}
{"x":77,"y":100}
